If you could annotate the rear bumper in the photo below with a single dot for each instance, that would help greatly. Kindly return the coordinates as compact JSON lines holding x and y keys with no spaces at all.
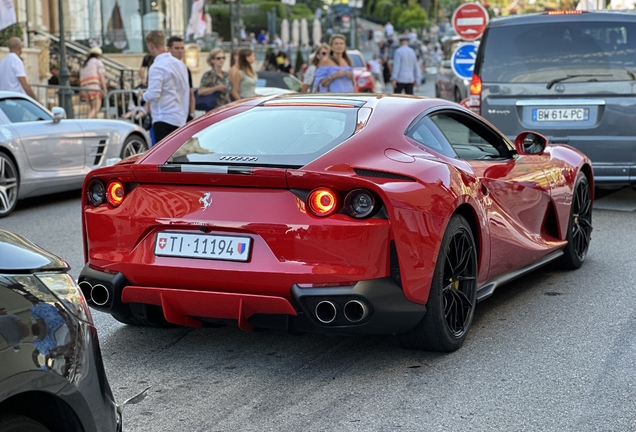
{"x":381,"y":302}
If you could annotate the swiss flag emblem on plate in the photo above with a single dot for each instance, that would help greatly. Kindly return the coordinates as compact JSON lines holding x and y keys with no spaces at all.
{"x":163,"y":242}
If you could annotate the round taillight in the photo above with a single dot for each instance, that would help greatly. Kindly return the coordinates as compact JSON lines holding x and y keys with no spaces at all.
{"x":115,"y":194}
{"x":322,"y":202}
{"x":96,"y":192}
{"x":359,"y":203}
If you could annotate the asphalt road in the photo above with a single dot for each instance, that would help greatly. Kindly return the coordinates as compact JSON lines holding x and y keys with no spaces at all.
{"x":554,"y":351}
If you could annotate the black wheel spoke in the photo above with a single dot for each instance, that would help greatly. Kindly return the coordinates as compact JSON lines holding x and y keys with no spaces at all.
{"x":461,"y":271}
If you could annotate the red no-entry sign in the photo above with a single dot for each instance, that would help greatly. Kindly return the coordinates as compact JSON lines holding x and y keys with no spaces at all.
{"x":469,"y":21}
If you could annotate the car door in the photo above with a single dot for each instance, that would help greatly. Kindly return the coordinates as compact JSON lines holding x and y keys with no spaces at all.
{"x":49,"y":146}
{"x":515,"y":190}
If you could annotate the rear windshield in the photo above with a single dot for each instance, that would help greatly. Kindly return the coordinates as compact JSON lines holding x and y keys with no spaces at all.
{"x":278,"y":136}
{"x":539,"y":53}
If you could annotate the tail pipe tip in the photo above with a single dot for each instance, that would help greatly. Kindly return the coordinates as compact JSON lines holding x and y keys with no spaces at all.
{"x":355,"y":311}
{"x":326,"y":312}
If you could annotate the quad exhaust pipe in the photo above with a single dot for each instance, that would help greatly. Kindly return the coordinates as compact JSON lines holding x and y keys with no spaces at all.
{"x":97,"y":294}
{"x":326,"y":312}
{"x":354,"y":311}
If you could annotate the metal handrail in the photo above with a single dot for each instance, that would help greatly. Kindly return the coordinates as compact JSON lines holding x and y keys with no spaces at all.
{"x":125,"y":74}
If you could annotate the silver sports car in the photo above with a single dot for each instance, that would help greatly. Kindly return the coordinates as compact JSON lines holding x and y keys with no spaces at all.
{"x":42,"y":152}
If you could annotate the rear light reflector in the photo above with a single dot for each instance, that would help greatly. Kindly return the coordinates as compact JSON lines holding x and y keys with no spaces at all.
{"x":115,"y":193}
{"x":475,"y":94}
{"x":327,"y":284}
{"x":322,"y":202}
{"x":359,"y":203}
{"x":96,"y":193}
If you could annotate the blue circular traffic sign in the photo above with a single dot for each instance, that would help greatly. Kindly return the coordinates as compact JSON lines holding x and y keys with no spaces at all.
{"x":463,"y":60}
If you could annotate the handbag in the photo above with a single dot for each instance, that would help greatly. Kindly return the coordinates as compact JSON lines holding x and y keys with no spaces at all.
{"x":205,"y":103}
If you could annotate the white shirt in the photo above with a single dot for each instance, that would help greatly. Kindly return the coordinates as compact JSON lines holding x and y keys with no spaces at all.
{"x":376,"y":68}
{"x":388,"y":29}
{"x":11,"y":68}
{"x":168,"y":90}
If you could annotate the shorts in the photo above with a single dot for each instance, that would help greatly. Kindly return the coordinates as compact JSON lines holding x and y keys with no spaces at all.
{"x":91,"y":95}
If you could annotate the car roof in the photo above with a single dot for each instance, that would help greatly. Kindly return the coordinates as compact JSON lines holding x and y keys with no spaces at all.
{"x":570,"y":16}
{"x":9,"y":94}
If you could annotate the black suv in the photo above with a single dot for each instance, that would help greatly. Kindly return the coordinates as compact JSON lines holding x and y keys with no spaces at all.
{"x":568,"y":75}
{"x":51,"y":374}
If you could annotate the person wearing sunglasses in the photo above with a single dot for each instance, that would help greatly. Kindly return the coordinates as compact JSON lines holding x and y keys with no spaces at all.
{"x":335,"y":71}
{"x":310,"y":73}
{"x":216,"y":79}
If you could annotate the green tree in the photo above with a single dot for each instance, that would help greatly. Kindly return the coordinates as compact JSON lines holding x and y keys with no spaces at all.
{"x":413,"y":16}
{"x":9,"y":32}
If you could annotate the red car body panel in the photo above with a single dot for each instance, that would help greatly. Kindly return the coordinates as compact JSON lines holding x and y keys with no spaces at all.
{"x":510,"y":201}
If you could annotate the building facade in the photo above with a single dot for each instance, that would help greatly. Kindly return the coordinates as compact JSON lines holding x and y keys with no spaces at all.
{"x":117,"y":26}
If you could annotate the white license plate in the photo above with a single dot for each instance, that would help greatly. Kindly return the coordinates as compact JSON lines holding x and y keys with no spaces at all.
{"x":560,"y":114}
{"x":207,"y":246}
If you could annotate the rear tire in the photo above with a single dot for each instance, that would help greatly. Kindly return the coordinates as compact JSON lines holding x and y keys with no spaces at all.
{"x":579,"y":225}
{"x":18,"y":423}
{"x":452,"y":298}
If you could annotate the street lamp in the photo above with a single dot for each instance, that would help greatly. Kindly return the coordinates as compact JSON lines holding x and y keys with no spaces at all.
{"x":356,"y":5}
{"x":65,"y":93}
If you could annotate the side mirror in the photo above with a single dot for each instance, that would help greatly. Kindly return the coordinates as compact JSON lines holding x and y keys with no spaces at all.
{"x":530,"y":143}
{"x":58,"y":114}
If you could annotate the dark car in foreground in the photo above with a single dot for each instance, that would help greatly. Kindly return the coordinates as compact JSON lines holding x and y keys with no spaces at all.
{"x":335,"y":213}
{"x":51,"y":372}
{"x":569,"y":76}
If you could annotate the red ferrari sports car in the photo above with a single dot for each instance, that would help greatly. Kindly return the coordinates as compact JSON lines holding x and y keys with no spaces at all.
{"x":358,"y":214}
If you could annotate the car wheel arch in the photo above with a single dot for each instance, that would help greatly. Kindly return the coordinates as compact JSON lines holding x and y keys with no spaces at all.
{"x":468,"y":212}
{"x":48,"y":409}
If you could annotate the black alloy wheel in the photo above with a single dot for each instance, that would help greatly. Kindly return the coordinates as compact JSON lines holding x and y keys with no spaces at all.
{"x":452,"y":298}
{"x":580,"y":224}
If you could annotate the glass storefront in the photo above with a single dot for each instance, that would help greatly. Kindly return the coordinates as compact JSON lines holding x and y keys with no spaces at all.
{"x":113,"y":25}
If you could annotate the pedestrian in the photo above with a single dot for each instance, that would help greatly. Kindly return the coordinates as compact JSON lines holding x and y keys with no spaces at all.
{"x":376,"y":69}
{"x":92,"y":77}
{"x":261,"y":37}
{"x":12,"y":71}
{"x":244,"y":79}
{"x":143,"y":70}
{"x":216,"y":79}
{"x":334,"y":73}
{"x":405,"y":67}
{"x":386,"y":70}
{"x":176,"y":47}
{"x":283,"y":63}
{"x":168,"y":90}
{"x":388,"y":30}
{"x":278,"y":42}
{"x":310,"y":73}
{"x":270,"y":64}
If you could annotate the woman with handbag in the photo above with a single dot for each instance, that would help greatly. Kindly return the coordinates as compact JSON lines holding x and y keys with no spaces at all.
{"x":212,"y":92}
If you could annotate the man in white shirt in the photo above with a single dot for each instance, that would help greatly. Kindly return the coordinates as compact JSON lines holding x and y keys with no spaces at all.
{"x":388,"y":30}
{"x":168,"y":90}
{"x":176,"y":47}
{"x":12,"y":72}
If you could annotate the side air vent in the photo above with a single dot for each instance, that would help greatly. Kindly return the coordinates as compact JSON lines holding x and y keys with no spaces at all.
{"x":98,"y":151}
{"x":382,"y":174}
{"x":395,"y":265}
